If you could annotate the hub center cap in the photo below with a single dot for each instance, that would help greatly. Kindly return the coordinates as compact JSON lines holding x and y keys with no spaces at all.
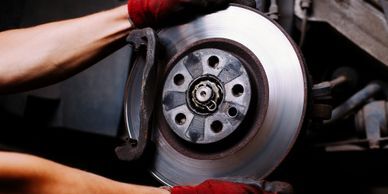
{"x":205,"y":95}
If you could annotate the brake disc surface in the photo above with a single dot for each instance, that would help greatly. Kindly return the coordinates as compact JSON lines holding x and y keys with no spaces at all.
{"x":285,"y":105}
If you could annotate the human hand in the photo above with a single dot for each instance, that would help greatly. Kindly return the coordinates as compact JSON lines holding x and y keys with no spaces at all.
{"x":160,"y":13}
{"x":240,"y":186}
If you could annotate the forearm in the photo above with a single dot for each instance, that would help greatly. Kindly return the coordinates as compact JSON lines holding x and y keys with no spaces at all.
{"x":20,"y":173}
{"x":37,"y":56}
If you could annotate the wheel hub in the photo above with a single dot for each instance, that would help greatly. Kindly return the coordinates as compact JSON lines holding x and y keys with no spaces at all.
{"x":206,"y":96}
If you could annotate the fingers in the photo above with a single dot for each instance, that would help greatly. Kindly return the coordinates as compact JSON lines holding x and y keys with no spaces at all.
{"x":161,"y":13}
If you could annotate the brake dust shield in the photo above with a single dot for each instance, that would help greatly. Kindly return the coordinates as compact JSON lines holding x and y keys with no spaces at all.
{"x":271,"y":110}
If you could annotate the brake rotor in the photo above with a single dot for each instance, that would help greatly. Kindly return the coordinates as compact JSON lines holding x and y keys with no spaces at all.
{"x":206,"y":128}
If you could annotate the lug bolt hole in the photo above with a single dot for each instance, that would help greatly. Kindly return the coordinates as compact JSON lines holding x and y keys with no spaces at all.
{"x":216,"y":126}
{"x":180,"y":119}
{"x":213,"y":61}
{"x":232,"y":112}
{"x":179,"y":79}
{"x":237,"y":90}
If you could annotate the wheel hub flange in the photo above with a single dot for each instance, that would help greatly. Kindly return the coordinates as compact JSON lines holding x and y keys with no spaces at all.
{"x":206,"y":96}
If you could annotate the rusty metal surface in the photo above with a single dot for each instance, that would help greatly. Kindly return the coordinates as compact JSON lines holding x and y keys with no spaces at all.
{"x":140,"y":93}
{"x":359,"y":21}
{"x":371,"y":120}
{"x":384,"y":5}
{"x":371,"y":126}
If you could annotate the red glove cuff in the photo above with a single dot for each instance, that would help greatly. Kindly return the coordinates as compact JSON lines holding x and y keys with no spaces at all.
{"x":218,"y":187}
{"x":136,"y":11}
{"x":146,"y":13}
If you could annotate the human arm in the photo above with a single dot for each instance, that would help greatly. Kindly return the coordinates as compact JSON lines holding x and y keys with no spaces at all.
{"x":42,"y":55}
{"x":26,"y":174}
{"x":45,"y":54}
{"x":21,"y":173}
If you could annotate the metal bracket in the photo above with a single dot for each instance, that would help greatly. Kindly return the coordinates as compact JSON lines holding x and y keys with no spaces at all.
{"x":384,"y":5}
{"x":139,"y":94}
{"x":372,"y":120}
{"x":361,"y":23}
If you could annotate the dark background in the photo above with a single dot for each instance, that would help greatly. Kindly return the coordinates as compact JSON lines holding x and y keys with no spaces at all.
{"x":90,"y":101}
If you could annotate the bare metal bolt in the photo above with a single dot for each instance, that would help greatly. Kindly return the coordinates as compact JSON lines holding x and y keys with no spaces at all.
{"x":305,"y":4}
